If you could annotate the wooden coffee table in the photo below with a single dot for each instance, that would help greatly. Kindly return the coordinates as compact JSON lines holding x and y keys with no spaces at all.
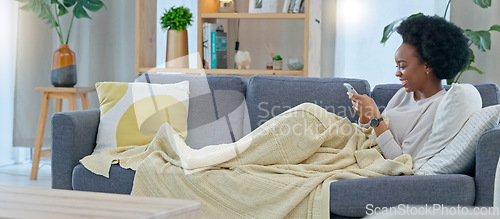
{"x":23,"y":202}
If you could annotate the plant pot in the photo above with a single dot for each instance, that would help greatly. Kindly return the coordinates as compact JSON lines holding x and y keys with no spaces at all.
{"x":278,"y":64}
{"x":177,"y":49}
{"x":63,"y":67}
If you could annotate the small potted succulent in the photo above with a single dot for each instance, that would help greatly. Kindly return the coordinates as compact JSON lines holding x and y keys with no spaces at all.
{"x":277,"y":62}
{"x":175,"y":21}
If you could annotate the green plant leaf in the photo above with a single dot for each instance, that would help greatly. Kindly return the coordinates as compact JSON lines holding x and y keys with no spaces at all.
{"x":485,"y":39}
{"x":475,"y":69}
{"x":41,"y":8}
{"x":69,"y":3}
{"x":79,"y":11}
{"x":472,"y":57}
{"x":483,"y":3}
{"x":176,"y":18}
{"x":495,"y":27}
{"x":475,"y":38}
{"x":92,"y":5}
{"x":26,"y":7}
{"x":391,"y":28}
{"x":62,"y":9}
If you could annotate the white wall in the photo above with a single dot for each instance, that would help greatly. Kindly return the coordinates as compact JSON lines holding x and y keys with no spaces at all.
{"x":468,"y":15}
{"x":8,"y":42}
{"x":328,"y":32}
{"x":359,"y":23}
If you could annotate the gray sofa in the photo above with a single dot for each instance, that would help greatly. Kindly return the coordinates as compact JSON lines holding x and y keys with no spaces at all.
{"x":218,"y":111}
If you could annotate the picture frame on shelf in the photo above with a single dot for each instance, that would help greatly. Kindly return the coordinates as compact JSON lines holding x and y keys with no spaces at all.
{"x":255,"y":6}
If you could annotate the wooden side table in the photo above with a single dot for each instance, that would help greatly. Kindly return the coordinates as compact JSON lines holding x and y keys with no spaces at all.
{"x":57,"y":93}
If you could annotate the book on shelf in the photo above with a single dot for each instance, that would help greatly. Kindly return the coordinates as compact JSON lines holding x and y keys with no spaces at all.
{"x":286,"y":5}
{"x":296,"y":6}
{"x":302,"y":7}
{"x":291,"y":6}
{"x":213,"y":38}
{"x":220,"y":49}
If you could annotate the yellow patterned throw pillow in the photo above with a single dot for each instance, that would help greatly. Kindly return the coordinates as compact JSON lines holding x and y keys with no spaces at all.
{"x":132,"y":113}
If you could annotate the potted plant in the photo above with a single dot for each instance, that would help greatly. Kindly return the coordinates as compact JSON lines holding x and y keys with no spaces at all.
{"x":175,"y":21}
{"x":481,"y":39}
{"x":277,"y":62}
{"x":63,"y":60}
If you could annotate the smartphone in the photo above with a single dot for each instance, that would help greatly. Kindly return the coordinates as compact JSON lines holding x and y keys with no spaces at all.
{"x":350,"y":88}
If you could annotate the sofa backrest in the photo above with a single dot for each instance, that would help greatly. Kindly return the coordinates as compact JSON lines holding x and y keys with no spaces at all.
{"x":490,"y":93}
{"x":270,"y":95}
{"x":217,"y":110}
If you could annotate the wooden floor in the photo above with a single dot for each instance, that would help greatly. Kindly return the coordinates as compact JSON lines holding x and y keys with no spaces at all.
{"x":19,"y":175}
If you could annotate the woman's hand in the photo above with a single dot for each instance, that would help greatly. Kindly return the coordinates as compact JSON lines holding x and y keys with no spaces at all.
{"x":364,"y":106}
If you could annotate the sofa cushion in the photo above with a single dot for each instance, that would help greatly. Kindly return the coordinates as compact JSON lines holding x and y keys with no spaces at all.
{"x":460,"y":154}
{"x":217,"y":107}
{"x":490,"y":93}
{"x":455,"y":108}
{"x":132,"y":113}
{"x":270,"y":95}
{"x":351,"y":197}
{"x":120,"y":180}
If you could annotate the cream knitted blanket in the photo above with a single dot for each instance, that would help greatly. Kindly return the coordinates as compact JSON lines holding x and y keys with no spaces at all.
{"x":282,"y":169}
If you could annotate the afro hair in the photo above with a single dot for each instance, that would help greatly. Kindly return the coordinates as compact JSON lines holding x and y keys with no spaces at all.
{"x":440,"y":43}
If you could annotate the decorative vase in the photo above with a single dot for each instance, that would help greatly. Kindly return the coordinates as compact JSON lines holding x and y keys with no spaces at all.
{"x":177,"y":49}
{"x":63,"y":67}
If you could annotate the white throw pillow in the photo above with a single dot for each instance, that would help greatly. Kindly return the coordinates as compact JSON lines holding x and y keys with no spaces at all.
{"x":132,"y":113}
{"x":456,"y":107}
{"x":460,"y":155}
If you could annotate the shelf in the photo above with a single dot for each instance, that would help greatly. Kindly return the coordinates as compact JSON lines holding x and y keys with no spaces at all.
{"x":253,"y":15}
{"x":224,"y":71}
{"x":145,"y":37}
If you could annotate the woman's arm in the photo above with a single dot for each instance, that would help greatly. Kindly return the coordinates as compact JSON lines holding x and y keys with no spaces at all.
{"x":367,"y":109}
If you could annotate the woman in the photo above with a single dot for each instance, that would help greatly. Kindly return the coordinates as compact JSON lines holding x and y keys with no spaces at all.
{"x":432,"y":50}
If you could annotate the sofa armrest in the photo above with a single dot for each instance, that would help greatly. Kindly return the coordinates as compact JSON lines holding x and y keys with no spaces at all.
{"x":73,"y":137}
{"x":487,"y":154}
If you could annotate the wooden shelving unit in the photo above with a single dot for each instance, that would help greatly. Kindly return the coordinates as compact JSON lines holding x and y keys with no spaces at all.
{"x":207,"y":12}
{"x":224,"y":71}
{"x":252,"y":16}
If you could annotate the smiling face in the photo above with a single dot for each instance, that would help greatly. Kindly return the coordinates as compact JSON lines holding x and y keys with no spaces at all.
{"x":411,"y":69}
